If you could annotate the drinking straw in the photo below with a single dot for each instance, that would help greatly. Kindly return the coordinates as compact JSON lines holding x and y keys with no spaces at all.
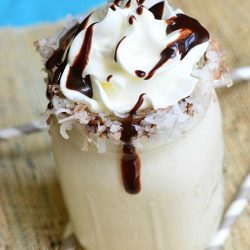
{"x":232,"y":214}
{"x":17,"y":131}
{"x":241,"y":74}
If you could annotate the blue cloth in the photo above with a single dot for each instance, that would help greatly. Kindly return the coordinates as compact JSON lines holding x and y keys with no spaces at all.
{"x":25,"y":12}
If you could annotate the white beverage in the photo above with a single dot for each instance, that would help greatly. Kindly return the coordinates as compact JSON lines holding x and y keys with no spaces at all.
{"x":181,"y":199}
{"x":136,"y":79}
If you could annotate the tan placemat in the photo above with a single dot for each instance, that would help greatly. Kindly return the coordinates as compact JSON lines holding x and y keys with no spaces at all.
{"x":32,"y":214}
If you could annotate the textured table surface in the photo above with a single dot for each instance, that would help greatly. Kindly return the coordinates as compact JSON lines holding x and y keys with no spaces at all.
{"x":32,"y":214}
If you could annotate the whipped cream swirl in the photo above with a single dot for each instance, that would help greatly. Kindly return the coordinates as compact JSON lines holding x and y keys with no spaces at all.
{"x":129,"y":48}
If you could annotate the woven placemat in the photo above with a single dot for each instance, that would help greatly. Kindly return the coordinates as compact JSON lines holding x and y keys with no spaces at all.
{"x":32,"y":213}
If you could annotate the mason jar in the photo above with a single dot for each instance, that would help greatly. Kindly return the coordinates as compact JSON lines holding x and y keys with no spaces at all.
{"x":180,"y":203}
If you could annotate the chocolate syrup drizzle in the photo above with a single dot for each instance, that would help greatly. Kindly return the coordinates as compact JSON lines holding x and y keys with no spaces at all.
{"x":109,"y":78}
{"x":139,"y":10}
{"x":113,"y":7}
{"x":75,"y":80}
{"x":140,"y":2}
{"x":55,"y":66}
{"x":158,"y":10}
{"x":128,"y":4}
{"x":186,"y":41}
{"x":117,"y":47}
{"x":140,"y":73}
{"x":131,"y":19}
{"x":192,"y":34}
{"x":56,"y":58}
{"x":130,"y":162}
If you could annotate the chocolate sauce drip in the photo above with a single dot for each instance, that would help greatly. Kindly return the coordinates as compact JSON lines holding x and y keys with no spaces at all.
{"x":58,"y":73}
{"x":139,"y":10}
{"x":128,"y":4}
{"x":113,"y":7}
{"x":49,"y":94}
{"x":139,"y":2}
{"x":75,"y":80}
{"x":185,"y":22}
{"x":50,"y":105}
{"x":130,"y":162}
{"x":55,"y":61}
{"x":109,"y":78}
{"x":140,"y":73}
{"x":137,"y":106}
{"x":82,"y":85}
{"x":157,"y":10}
{"x":192,"y":34}
{"x":56,"y":58}
{"x":131,"y":20}
{"x":131,"y":168}
{"x":83,"y":25}
{"x":117,"y":47}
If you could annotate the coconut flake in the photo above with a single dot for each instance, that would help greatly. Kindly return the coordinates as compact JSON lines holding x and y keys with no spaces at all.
{"x":66,"y":126}
{"x":163,"y":124}
{"x":63,"y":110}
{"x":115,"y":128}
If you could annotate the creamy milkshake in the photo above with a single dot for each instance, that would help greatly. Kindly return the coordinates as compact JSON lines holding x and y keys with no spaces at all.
{"x":181,"y":198}
{"x":136,"y":127}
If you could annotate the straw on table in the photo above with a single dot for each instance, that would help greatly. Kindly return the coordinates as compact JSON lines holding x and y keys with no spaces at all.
{"x":17,"y":131}
{"x":241,"y":74}
{"x":234,"y":211}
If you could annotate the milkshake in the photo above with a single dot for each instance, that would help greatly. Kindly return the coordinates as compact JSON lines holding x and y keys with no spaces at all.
{"x":136,"y":127}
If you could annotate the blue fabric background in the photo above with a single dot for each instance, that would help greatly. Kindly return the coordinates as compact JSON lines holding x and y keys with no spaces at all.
{"x":25,"y":12}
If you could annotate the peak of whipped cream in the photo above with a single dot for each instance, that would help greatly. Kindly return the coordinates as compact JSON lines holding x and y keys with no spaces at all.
{"x":128,"y":48}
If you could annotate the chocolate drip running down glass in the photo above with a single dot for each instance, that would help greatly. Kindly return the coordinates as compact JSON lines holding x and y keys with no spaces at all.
{"x":136,"y":127}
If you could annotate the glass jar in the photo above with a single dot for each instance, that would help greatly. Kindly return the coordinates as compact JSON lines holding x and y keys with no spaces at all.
{"x":181,"y":200}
